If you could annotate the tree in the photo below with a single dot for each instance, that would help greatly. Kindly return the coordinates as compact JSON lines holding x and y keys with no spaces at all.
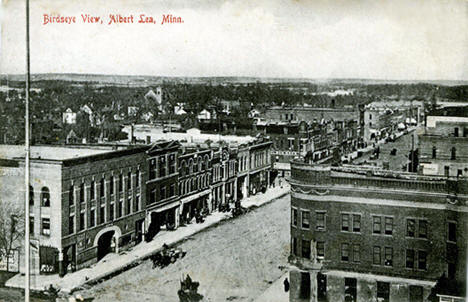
{"x":11,"y":228}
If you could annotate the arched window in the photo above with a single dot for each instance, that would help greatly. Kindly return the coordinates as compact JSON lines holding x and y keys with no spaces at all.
{"x":454,"y":153}
{"x":187,"y":186}
{"x":45,"y":197}
{"x":181,"y":189}
{"x":200,"y":164}
{"x":190,"y":166}
{"x":31,"y":195}
{"x":207,"y":161}
{"x":183,"y":167}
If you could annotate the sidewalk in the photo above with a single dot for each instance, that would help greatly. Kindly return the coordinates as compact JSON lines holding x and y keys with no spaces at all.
{"x":114,"y":263}
{"x":275,"y":293}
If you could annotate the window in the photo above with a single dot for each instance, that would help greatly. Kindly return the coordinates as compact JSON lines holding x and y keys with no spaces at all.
{"x":92,"y":217}
{"x":422,"y":260}
{"x":162,"y":166}
{"x":31,"y":196}
{"x":162,"y":193}
{"x":388,"y":225}
{"x":320,"y":226}
{"x":294,"y":217}
{"x":409,"y":258}
{"x":453,"y":153}
{"x":82,"y":192}
{"x":344,"y":222}
{"x":388,"y":256}
{"x":45,"y":197}
{"x":92,"y":190}
{"x":376,"y":225}
{"x":46,"y":226}
{"x":356,"y":223}
{"x":455,"y":131}
{"x":294,"y":246}
{"x":71,"y":195}
{"x":422,"y":229}
{"x":71,"y":224}
{"x":31,"y":225}
{"x":376,"y":255}
{"x":306,"y":249}
{"x":321,"y":287}
{"x":172,"y":164}
{"x":172,"y":190}
{"x":138,"y":178}
{"x":82,"y":221}
{"x":305,"y":219}
{"x":111,"y":185}
{"x":153,"y":196}
{"x":111,"y":212}
{"x":120,"y":209}
{"x":102,"y":185}
{"x":120,"y":182}
{"x":137,"y":203}
{"x":320,"y":249}
{"x":356,"y":253}
{"x":383,"y":291}
{"x":452,"y":232}
{"x":129,"y":181}
{"x":410,"y":227}
{"x":344,"y":252}
{"x":415,"y":293}
{"x":102,"y":215}
{"x":434,"y":152}
{"x":129,"y":206}
{"x":350,"y":289}
{"x":152,"y":168}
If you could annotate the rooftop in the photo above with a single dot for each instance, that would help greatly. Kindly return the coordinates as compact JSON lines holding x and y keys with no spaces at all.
{"x":53,"y":152}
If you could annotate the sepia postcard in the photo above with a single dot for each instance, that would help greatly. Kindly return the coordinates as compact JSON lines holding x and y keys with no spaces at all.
{"x":234,"y":150}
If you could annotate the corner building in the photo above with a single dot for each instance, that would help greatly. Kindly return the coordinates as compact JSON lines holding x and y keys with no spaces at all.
{"x":371,"y":235}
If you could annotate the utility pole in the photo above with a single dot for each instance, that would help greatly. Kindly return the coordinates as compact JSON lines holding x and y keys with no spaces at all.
{"x":26,"y":172}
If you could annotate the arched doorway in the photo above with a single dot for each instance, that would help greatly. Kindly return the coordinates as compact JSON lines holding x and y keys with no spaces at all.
{"x":104,"y":241}
{"x":104,"y":244}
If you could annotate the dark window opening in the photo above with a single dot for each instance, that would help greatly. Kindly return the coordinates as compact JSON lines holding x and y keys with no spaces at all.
{"x":383,"y":291}
{"x":344,"y":252}
{"x":409,"y":258}
{"x":306,"y":249}
{"x":350,"y":289}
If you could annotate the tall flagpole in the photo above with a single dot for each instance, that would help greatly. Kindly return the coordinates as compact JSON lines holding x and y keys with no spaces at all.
{"x":26,"y":173}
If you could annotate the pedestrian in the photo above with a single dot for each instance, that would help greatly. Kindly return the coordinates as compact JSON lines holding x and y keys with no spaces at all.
{"x":286,"y":285}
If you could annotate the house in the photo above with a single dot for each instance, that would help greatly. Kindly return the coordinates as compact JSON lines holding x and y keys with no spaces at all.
{"x":69,"y":117}
{"x":204,"y":115}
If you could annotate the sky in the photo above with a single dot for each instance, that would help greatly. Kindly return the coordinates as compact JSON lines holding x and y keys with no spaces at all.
{"x":393,"y":40}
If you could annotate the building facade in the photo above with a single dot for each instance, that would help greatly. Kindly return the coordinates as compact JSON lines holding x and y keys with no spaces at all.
{"x":88,"y":201}
{"x":443,"y":143}
{"x":371,"y":235}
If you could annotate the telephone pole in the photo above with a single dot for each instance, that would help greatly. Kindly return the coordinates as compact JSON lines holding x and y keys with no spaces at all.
{"x":26,"y":172}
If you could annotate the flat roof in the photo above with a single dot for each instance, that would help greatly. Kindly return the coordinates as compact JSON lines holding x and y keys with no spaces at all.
{"x":52,"y":152}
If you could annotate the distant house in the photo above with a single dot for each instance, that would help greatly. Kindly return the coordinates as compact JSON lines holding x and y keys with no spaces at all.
{"x":204,"y":115}
{"x":132,"y":110}
{"x":72,"y":138}
{"x":147,"y":116}
{"x":254,"y":113}
{"x":179,"y":109}
{"x":69,"y":117}
{"x":229,"y":105}
{"x":155,"y":97}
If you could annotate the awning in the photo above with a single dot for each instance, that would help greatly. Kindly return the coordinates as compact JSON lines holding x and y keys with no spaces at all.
{"x":194,"y":196}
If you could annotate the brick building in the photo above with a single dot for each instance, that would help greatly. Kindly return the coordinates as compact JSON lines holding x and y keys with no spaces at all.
{"x":443,"y":143}
{"x":371,"y":235}
{"x":88,"y":201}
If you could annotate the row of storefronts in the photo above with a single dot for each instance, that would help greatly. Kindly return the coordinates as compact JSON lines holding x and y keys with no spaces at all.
{"x":106,"y":200}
